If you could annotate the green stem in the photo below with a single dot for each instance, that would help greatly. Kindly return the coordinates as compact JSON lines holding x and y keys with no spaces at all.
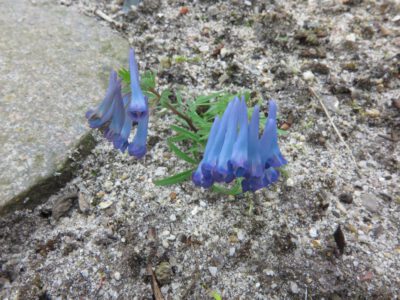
{"x":175,"y":111}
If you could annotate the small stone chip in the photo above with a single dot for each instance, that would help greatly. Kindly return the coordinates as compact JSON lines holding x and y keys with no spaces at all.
{"x":308,"y":76}
{"x":213,"y":271}
{"x":105,"y":204}
{"x":294,"y":288}
{"x":117,"y":276}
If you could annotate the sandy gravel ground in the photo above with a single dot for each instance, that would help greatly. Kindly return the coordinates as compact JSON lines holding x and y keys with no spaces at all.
{"x":276,"y":244}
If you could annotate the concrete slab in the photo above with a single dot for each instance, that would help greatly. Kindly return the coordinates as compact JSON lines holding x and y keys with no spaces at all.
{"x":54,"y":65}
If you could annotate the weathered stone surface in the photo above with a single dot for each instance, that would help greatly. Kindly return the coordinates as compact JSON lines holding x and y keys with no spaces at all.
{"x":54,"y":64}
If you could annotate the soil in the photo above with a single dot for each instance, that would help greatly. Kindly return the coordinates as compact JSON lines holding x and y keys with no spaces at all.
{"x":329,"y":229}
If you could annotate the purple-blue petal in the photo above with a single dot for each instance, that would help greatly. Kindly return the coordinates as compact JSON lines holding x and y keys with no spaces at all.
{"x":138,"y":147}
{"x":137,"y":108}
{"x":239,"y":157}
{"x":102,"y":114}
{"x":224,"y":170}
{"x":256,"y":167}
{"x":269,"y":149}
{"x":210,"y":162}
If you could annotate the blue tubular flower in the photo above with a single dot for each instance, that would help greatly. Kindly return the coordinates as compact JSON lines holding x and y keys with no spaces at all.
{"x":102,"y":114}
{"x":253,"y":184}
{"x":210,"y":163}
{"x":138,"y":147}
{"x":255,"y":166}
{"x":224,"y":171}
{"x":239,"y":158}
{"x":138,"y":108}
{"x":121,"y":142}
{"x":117,"y":114}
{"x":234,"y":149}
{"x":271,"y":155}
{"x":200,"y":179}
{"x":117,"y":118}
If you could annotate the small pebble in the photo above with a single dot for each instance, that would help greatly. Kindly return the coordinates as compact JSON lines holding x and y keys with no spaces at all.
{"x":290,"y":182}
{"x":108,"y":185}
{"x":371,"y":202}
{"x":172,"y":218}
{"x":294,"y":288}
{"x":308,"y":76}
{"x":161,"y":171}
{"x":240,"y":235}
{"x":346,"y":198}
{"x":213,"y":271}
{"x":165,"y":244}
{"x":117,"y":276}
{"x":195,"y":211}
{"x":171,"y":237}
{"x":313,"y":233}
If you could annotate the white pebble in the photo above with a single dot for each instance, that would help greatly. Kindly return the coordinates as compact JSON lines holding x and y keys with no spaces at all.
{"x":240,"y":235}
{"x":313,"y":233}
{"x":290,"y":182}
{"x":117,"y":275}
{"x":172,"y":218}
{"x":171,"y":237}
{"x":213,"y":271}
{"x":195,"y":211}
{"x":294,"y":288}
{"x":165,"y":244}
{"x":308,"y":76}
{"x":108,"y":185}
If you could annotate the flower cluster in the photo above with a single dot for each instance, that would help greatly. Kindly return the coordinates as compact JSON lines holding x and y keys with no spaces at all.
{"x":235,"y":150}
{"x":117,"y":113}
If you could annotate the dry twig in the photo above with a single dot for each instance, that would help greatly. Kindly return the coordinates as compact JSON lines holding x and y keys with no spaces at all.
{"x":107,"y":18}
{"x":336,"y":129}
{"x":154,"y":285}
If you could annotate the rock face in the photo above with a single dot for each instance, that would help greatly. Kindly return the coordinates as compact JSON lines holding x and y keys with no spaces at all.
{"x":54,"y":65}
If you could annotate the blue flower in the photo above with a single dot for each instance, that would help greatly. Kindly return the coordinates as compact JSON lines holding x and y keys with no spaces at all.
{"x":199,"y":177}
{"x":121,"y":142}
{"x":102,"y":114}
{"x":137,"y":108}
{"x":239,"y":158}
{"x":117,"y":117}
{"x":138,"y":147}
{"x":271,"y":156}
{"x":255,"y":168}
{"x":210,"y":161}
{"x":224,"y":170}
{"x":118,"y":113}
{"x":234,"y":149}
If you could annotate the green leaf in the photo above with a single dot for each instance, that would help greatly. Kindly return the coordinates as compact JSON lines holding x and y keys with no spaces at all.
{"x":178,"y":138}
{"x":148,"y":81}
{"x":164,"y":99}
{"x":180,"y":153}
{"x":235,"y":190}
{"x":180,"y":177}
{"x":282,"y":132}
{"x":190,"y":135}
{"x":216,"y":295}
{"x":124,"y":75}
